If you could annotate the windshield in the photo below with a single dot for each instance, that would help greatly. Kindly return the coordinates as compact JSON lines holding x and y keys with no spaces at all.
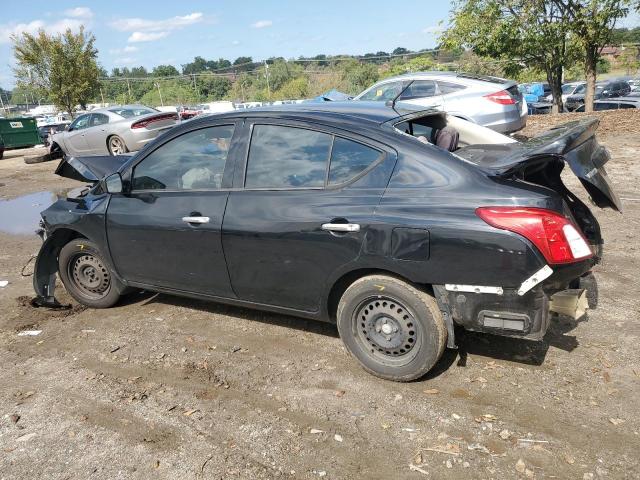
{"x":129,"y":112}
{"x":581,"y":89}
{"x":566,"y":89}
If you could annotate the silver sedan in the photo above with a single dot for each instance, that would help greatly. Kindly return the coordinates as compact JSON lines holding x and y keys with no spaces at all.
{"x":112,"y":131}
{"x":491,"y":102}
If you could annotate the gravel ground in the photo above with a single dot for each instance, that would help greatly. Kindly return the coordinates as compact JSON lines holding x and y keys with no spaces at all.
{"x":163,"y":387}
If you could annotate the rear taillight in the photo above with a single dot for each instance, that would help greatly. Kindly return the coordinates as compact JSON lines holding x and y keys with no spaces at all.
{"x":502,"y":97}
{"x":552,"y":233}
{"x":147,"y":121}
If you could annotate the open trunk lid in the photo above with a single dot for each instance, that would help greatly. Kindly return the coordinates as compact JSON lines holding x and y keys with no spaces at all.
{"x":90,"y":169}
{"x":573,"y":142}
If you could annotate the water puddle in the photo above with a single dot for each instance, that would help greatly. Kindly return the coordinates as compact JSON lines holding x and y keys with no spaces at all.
{"x":21,"y":215}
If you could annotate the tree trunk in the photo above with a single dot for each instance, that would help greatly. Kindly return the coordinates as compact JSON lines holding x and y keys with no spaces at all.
{"x":590,"y":63}
{"x":554,"y":77}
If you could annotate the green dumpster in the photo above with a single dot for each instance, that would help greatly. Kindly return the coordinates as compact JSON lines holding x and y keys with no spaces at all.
{"x":19,"y":132}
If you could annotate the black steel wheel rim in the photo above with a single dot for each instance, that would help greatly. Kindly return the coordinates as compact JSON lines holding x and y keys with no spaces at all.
{"x":89,"y":275}
{"x":387,"y":330}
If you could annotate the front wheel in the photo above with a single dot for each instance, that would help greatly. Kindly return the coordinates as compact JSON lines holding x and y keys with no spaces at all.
{"x":116,"y":145}
{"x":395,"y":330}
{"x":86,"y":275}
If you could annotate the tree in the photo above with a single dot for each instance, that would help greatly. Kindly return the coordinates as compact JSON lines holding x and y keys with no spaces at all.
{"x":529,"y":33}
{"x":165,"y":71}
{"x":358,"y":76}
{"x":62,"y":67}
{"x":592,"y":23}
{"x":400,"y":51}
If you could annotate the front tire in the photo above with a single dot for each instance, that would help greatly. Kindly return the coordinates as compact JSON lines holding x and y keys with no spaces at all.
{"x":116,"y":145}
{"x":86,"y":275}
{"x":394,"y":330}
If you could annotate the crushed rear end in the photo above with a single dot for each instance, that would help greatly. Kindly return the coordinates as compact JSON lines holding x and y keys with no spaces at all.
{"x":572,"y":242}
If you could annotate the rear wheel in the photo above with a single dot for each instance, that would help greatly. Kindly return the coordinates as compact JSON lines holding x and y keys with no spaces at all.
{"x":395,"y":330}
{"x":86,"y":275}
{"x":116,"y":145}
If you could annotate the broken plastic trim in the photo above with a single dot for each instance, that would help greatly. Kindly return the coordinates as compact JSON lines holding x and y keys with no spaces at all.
{"x":473,"y":289}
{"x":542,"y":274}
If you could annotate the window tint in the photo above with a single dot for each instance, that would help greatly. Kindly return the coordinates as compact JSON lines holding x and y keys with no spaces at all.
{"x":625,"y":105}
{"x":98,"y":119}
{"x":383,"y":93}
{"x":81,"y":122}
{"x":191,"y":161}
{"x":283,"y":157}
{"x":448,"y":87}
{"x":419,"y":89}
{"x":348,"y":159}
{"x":604,"y":106}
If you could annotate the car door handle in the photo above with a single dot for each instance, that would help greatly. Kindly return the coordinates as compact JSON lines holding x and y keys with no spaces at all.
{"x":341,"y":227}
{"x":195,"y":219}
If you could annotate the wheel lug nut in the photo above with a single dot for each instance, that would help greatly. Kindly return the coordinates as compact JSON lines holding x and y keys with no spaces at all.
{"x":378,"y":329}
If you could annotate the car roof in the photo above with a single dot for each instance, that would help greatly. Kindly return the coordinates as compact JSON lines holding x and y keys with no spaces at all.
{"x":458,"y":75}
{"x":373,"y":112}
{"x":110,"y":109}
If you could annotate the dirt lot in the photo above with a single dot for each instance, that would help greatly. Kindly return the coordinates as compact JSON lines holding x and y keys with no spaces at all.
{"x":161,"y":387}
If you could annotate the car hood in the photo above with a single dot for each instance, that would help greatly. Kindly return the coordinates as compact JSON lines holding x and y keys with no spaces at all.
{"x":573,"y":142}
{"x":90,"y":169}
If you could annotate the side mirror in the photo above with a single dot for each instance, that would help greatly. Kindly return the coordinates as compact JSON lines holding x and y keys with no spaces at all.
{"x":113,"y":183}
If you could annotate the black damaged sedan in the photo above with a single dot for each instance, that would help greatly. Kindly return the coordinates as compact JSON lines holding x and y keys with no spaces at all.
{"x":396,"y":227}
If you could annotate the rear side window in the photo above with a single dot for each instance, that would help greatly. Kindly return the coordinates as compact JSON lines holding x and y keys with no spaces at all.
{"x":448,"y":87}
{"x":287,"y":157}
{"x":419,"y":89}
{"x":349,"y":159}
{"x":129,"y":112}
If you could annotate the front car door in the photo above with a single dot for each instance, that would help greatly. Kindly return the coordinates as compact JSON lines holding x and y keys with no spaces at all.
{"x":75,"y":137}
{"x":305,"y":201}
{"x":165,"y":231}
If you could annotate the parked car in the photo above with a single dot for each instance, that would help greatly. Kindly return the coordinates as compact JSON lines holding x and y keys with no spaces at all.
{"x":606,"y":89}
{"x":342,"y":212}
{"x":569,"y":89}
{"x":488,"y":101}
{"x":112,"y":131}
{"x":48,"y":130}
{"x":613,"y":104}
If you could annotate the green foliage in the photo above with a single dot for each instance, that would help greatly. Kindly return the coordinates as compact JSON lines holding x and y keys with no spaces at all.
{"x":213,"y":88}
{"x":165,"y":71}
{"x":471,"y":63}
{"x":60,"y":67}
{"x":358,"y":76}
{"x":416,"y":64}
{"x":629,"y":60}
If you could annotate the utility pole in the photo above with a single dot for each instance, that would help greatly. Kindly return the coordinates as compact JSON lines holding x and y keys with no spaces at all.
{"x":129,"y":88}
{"x":266,"y":74}
{"x":160,"y":93}
{"x":102,"y":96}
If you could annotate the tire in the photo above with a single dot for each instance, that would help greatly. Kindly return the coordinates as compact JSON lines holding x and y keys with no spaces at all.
{"x":394,"y":330}
{"x":86,"y":275}
{"x":116,"y":145}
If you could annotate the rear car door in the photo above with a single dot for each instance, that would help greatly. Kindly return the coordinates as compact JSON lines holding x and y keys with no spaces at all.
{"x":165,"y":231}
{"x":307,"y":199}
{"x":96,"y":135}
{"x":75,"y":137}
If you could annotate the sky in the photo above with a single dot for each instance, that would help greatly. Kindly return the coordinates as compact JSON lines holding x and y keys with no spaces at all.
{"x":150,"y":33}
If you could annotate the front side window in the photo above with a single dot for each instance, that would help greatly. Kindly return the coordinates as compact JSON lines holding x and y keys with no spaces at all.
{"x":383,"y":93}
{"x":349,"y":159}
{"x":193,"y":161}
{"x":419,"y":89}
{"x":80,"y":123}
{"x":287,"y":157}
